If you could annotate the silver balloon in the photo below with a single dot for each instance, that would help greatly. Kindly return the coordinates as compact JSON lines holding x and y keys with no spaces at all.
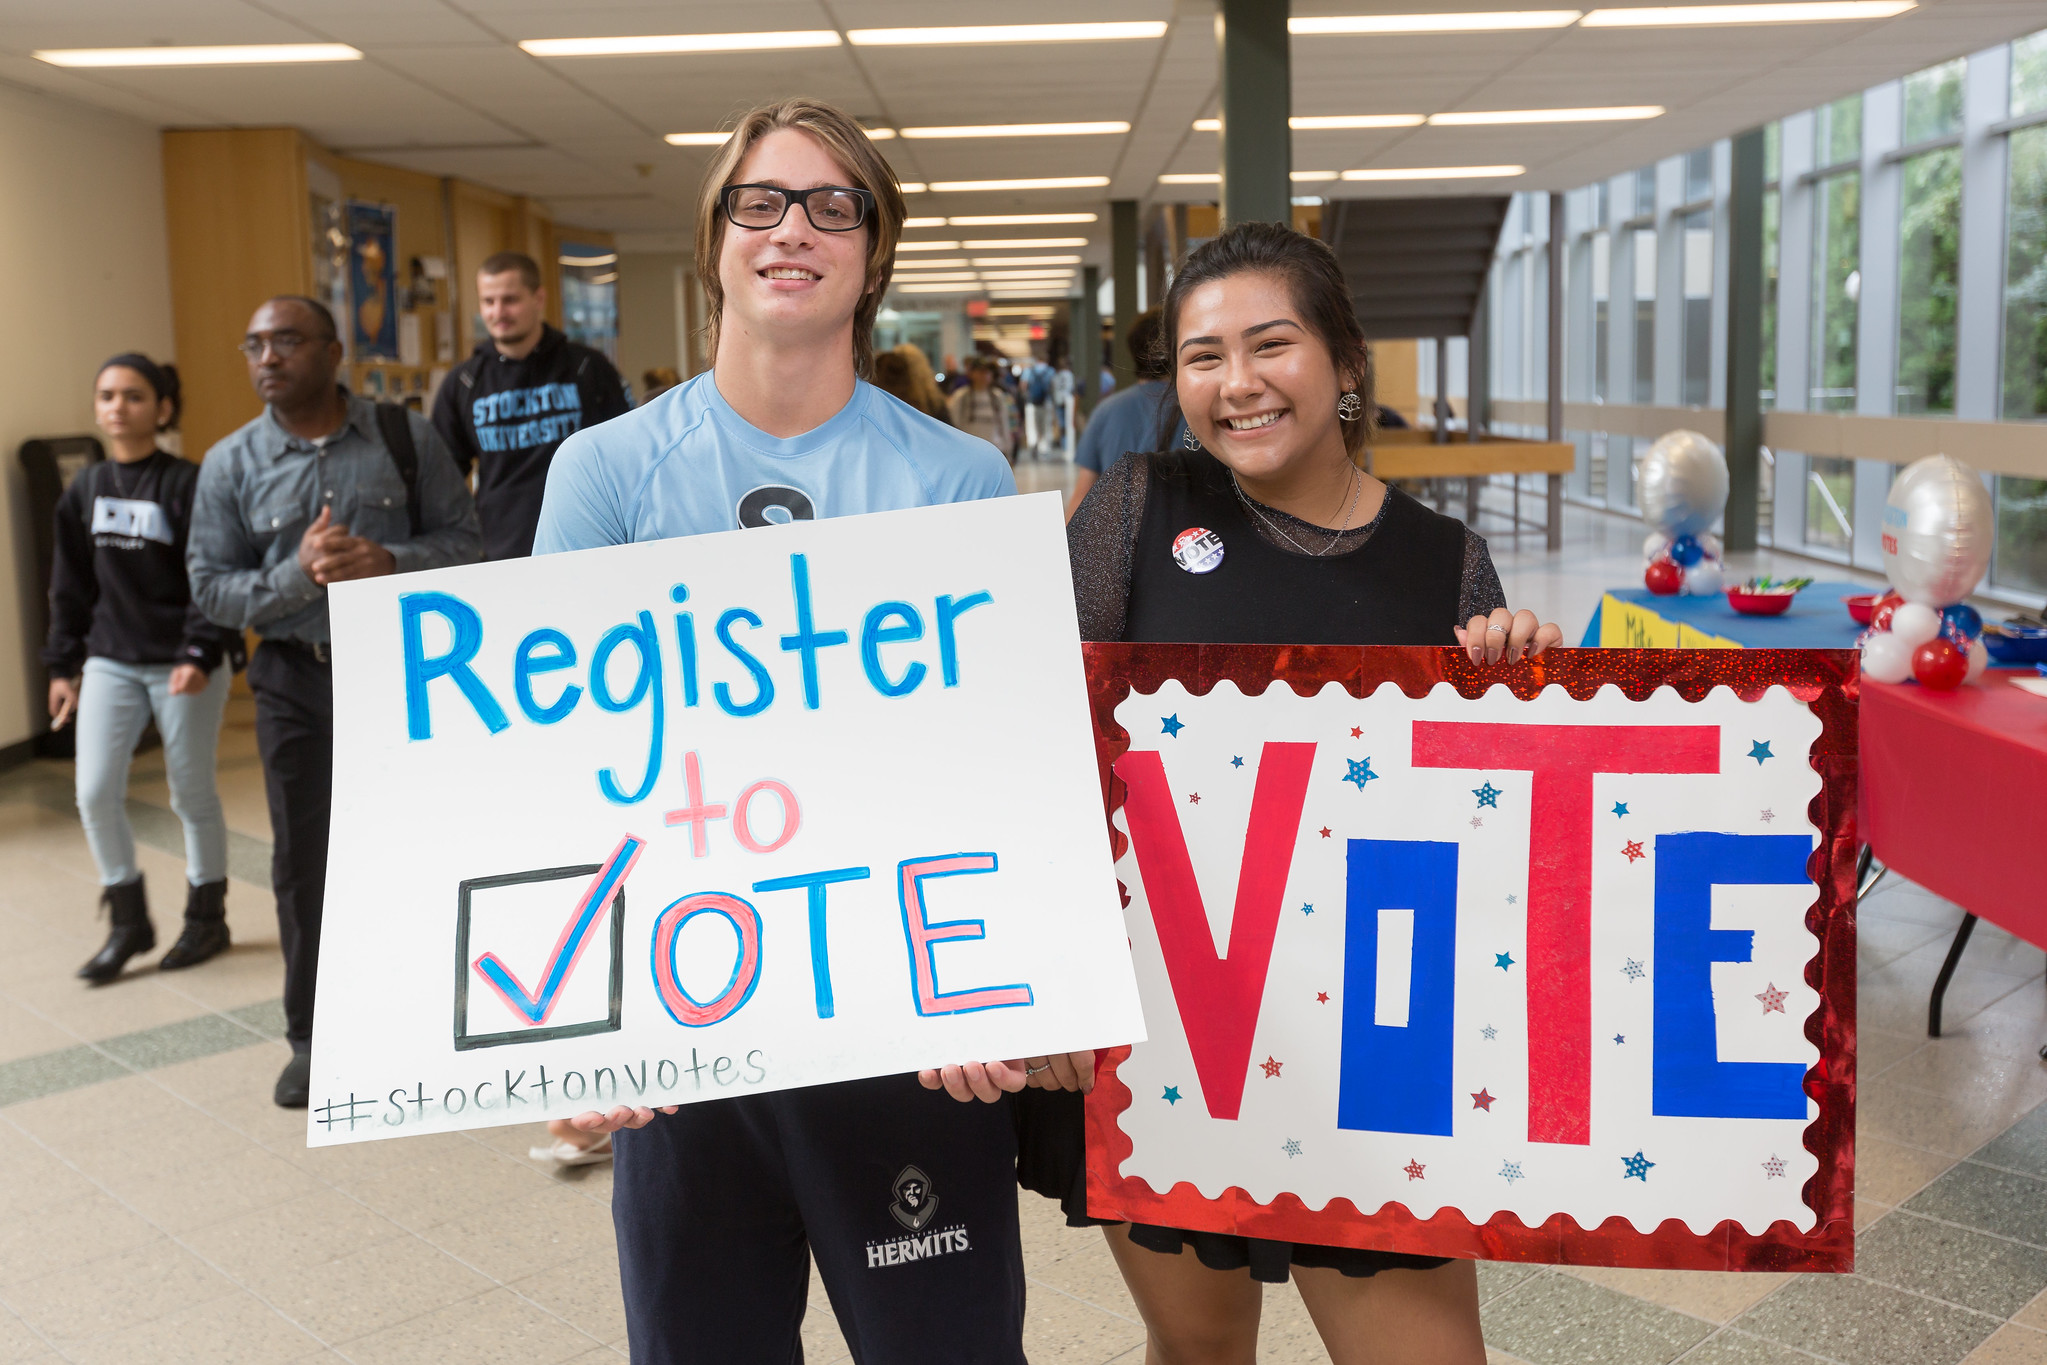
{"x":1681,"y":483}
{"x":1936,"y":531}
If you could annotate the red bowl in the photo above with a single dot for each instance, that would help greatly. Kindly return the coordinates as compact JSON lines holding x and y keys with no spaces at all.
{"x":1760,"y":603}
{"x":1860,"y":606}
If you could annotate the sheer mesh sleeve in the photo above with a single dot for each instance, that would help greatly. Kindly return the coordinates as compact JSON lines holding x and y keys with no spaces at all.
{"x":1481,"y":594}
{"x":1101,"y":543}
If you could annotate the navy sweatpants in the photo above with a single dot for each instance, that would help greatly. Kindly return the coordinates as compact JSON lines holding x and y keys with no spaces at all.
{"x":906,"y":1197}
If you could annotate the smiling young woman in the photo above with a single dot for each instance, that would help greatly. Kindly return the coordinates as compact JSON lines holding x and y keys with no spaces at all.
{"x":1266,"y":530}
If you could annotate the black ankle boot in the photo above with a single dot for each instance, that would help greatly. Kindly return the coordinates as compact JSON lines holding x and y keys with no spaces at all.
{"x":132,"y":932}
{"x":205,"y":933}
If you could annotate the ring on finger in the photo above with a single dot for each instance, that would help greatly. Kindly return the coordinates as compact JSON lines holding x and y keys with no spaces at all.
{"x":1034,"y":1070}
{"x":1501,"y":629}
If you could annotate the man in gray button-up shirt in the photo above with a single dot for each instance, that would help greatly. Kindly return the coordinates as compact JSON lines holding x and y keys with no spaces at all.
{"x":306,"y":495}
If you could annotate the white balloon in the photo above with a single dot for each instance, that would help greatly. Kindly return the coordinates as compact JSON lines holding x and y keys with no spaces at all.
{"x":1979,"y":659}
{"x":1681,"y":483}
{"x":1654,"y":546}
{"x":1936,"y":531}
{"x":1886,"y":658}
{"x":1915,"y":623}
{"x":1703,"y":579}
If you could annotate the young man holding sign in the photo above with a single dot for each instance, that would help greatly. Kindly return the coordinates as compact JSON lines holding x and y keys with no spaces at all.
{"x":721,"y":1204}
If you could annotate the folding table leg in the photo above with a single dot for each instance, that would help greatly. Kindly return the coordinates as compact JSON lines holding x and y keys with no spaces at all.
{"x":1864,"y":882}
{"x":1947,"y":971}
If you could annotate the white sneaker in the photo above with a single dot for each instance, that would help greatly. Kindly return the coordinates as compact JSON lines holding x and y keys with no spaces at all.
{"x":562,"y":1152}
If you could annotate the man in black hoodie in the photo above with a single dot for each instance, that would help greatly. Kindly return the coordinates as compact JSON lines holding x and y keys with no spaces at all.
{"x":523,"y":390}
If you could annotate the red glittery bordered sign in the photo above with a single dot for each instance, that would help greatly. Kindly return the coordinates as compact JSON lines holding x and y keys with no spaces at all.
{"x":1825,"y":680}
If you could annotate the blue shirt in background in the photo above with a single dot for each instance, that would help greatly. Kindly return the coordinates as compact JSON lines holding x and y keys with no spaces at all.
{"x":1124,"y":422}
{"x":686,"y":463}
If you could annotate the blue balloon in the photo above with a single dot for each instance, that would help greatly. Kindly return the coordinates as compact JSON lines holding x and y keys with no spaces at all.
{"x":1962,"y":619}
{"x":1687,"y":551}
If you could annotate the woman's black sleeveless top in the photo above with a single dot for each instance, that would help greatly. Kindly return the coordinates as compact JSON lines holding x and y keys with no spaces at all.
{"x":1401,"y":587}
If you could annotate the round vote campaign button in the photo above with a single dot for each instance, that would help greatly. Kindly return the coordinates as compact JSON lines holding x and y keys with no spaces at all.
{"x":1197,"y":549}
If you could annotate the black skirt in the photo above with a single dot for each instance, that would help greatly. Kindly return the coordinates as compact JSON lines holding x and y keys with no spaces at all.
{"x":1051,"y":1160}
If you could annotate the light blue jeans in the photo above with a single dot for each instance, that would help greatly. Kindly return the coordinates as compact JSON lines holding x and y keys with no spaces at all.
{"x":115,"y":702}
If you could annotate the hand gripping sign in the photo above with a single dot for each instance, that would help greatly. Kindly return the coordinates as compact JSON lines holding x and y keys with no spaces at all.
{"x":1556,"y":970}
{"x":703,"y":817}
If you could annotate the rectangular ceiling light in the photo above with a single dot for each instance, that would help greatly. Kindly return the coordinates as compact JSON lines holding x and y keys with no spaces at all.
{"x":1020,"y":130}
{"x":927,"y":246}
{"x":242,"y":54}
{"x":1193,"y":178}
{"x":1037,"y":274}
{"x":1493,"y":21}
{"x":937,"y":288}
{"x":696,"y":139}
{"x":1803,"y":12}
{"x":1030,"y":260}
{"x":1056,"y":182}
{"x":1321,"y":122}
{"x":911,"y":187}
{"x":1488,"y":116}
{"x":915,"y":264}
{"x":953,"y":276}
{"x":1436,"y":173}
{"x":1021,"y":243}
{"x":653,"y":44}
{"x":1008,"y":219}
{"x":1005,"y":33}
{"x":923,"y":223}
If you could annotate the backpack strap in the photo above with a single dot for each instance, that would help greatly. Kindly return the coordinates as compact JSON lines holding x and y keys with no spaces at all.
{"x":394,"y":423}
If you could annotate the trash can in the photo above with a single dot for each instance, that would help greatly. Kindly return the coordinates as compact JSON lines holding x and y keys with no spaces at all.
{"x":50,"y":463}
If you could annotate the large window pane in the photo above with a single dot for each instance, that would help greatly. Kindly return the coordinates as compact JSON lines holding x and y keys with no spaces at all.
{"x":1699,"y":175}
{"x":2029,"y":74}
{"x":1837,"y":279}
{"x":1772,"y":210}
{"x":1933,"y":102}
{"x":1829,"y":503}
{"x":2020,"y":558}
{"x":1698,"y":296}
{"x":1602,"y":283}
{"x":1928,"y":271}
{"x":2025,"y":277}
{"x":1837,"y":132}
{"x":1645,"y":315}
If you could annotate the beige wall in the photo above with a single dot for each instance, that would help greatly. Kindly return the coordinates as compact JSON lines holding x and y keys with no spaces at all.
{"x":84,"y":274}
{"x":651,"y":322}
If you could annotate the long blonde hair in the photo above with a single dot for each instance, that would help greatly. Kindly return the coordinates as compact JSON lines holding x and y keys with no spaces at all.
{"x":923,"y":380}
{"x":846,"y":143}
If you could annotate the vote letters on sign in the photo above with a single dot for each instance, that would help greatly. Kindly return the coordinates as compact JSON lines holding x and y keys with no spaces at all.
{"x":1551,"y":962}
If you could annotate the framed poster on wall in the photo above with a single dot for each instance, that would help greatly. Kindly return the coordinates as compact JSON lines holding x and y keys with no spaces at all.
{"x":372,"y":279}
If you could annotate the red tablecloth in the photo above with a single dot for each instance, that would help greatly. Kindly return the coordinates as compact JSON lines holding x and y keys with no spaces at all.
{"x":1954,"y":794}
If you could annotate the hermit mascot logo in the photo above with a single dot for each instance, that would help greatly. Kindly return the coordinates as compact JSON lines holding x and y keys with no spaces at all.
{"x":915,"y":1203}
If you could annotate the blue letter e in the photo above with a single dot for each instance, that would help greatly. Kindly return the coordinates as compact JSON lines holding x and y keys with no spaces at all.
{"x":467,"y":628}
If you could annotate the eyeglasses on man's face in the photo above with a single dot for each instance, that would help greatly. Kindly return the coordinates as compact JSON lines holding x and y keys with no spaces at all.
{"x":830,"y":208}
{"x":284,"y":344}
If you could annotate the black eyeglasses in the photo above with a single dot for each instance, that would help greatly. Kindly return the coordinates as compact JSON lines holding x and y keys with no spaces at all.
{"x":285,"y":344}
{"x":830,"y":208}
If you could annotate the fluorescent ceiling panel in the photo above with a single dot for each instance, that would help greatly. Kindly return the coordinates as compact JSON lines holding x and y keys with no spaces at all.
{"x":669,"y":43}
{"x":1436,"y":173}
{"x":1020,"y":130}
{"x":1056,"y":182}
{"x":1007,"y":219}
{"x":1801,"y":12}
{"x":245,"y":54}
{"x":1491,"y":116}
{"x":1004,"y":33}
{"x":1496,"y":21}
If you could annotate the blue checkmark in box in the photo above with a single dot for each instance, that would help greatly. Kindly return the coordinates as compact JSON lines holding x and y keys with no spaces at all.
{"x":552,"y":959}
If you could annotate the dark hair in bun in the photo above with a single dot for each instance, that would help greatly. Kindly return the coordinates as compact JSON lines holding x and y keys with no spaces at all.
{"x":162,"y":379}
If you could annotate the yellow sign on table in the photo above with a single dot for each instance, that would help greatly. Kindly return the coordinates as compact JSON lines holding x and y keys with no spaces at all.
{"x":1632,"y":625}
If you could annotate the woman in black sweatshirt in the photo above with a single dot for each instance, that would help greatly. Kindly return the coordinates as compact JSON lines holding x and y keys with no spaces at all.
{"x":126,"y":645}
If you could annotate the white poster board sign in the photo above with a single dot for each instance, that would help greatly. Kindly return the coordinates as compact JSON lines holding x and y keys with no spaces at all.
{"x":712,"y":816}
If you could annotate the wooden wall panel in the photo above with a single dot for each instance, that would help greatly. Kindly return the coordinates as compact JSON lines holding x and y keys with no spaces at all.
{"x":239,"y":231}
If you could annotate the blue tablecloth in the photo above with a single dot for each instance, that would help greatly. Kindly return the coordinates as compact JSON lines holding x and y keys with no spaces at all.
{"x":1816,"y":620}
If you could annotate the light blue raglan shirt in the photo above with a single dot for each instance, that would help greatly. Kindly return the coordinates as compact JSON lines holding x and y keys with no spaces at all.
{"x":686,"y":463}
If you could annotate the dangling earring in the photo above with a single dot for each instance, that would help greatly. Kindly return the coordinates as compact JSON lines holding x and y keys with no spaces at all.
{"x":1350,"y":407}
{"x":1188,"y":442}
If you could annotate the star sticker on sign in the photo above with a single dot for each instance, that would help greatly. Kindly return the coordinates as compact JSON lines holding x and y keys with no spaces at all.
{"x":1772,"y":998}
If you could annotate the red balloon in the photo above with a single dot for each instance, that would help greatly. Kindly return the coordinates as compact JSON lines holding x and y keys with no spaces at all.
{"x":1939,"y":665}
{"x":1664,"y":577}
{"x":1880,"y":614}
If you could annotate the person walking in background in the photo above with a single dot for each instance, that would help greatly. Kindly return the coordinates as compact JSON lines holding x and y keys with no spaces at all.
{"x":1129,"y":420}
{"x":930,"y":399}
{"x":1035,"y":384}
{"x":984,"y":410}
{"x":128,"y":645}
{"x":525,"y":388}
{"x":322,"y":488}
{"x":1062,"y":407}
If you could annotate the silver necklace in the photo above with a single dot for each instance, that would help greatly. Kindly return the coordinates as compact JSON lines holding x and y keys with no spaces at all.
{"x":1357,"y":485}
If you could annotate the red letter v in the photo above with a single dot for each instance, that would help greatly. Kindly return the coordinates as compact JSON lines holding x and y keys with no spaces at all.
{"x":1218,"y":999}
